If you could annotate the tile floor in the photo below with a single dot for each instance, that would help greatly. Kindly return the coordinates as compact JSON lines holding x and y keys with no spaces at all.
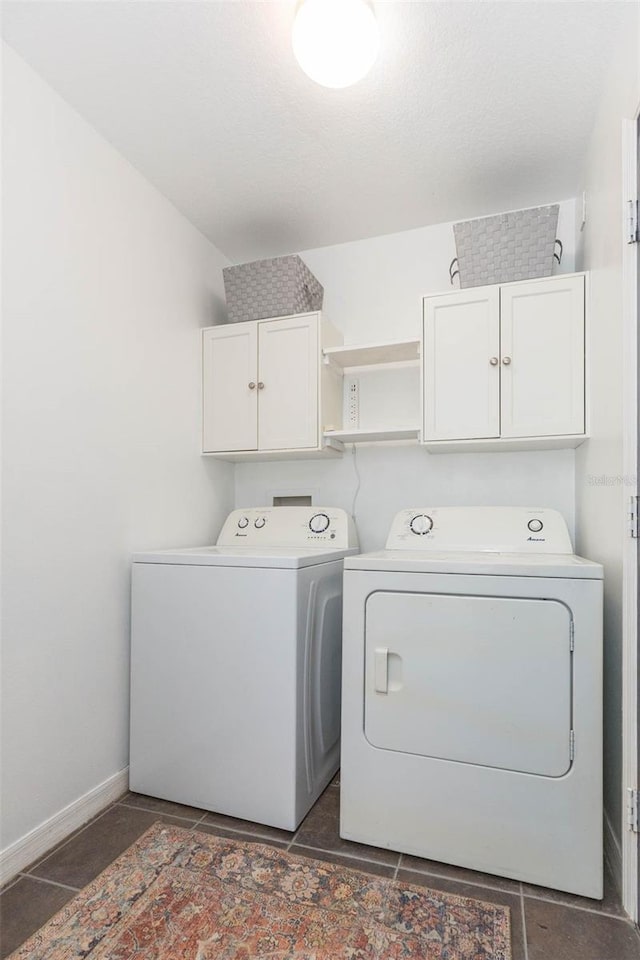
{"x":546,"y":925}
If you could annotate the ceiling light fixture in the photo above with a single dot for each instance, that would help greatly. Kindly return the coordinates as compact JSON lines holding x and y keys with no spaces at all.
{"x":335,"y":42}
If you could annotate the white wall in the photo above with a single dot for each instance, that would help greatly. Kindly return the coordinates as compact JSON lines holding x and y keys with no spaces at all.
{"x":601,"y":505}
{"x":373,"y":291}
{"x":105,"y":286}
{"x":374,"y":288}
{"x":393,"y":479}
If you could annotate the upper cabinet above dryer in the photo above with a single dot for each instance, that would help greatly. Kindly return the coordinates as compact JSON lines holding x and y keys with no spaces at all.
{"x":266,"y":394}
{"x":542,"y":335}
{"x":504,"y":366}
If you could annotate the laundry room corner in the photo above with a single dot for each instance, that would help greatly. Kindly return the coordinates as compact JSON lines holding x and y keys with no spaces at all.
{"x":320,"y":519}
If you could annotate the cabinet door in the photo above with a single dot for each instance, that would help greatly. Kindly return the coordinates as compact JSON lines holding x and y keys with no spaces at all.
{"x":461,"y":384}
{"x":542,"y":337}
{"x":288,"y":381}
{"x":230,"y":403}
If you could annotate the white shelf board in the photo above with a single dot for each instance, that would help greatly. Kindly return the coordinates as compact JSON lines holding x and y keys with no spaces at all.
{"x":373,"y":435}
{"x":374,"y":354}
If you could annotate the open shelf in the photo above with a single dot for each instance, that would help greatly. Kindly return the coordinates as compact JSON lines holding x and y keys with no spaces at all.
{"x":374,"y":354}
{"x":373,"y":436}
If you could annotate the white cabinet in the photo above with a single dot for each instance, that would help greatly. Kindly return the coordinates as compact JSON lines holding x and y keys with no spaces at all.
{"x":229,"y":382}
{"x":506,"y":364}
{"x":288,"y":371}
{"x":501,"y":367}
{"x":264,"y":396}
{"x":461,"y":383}
{"x":542,"y":337}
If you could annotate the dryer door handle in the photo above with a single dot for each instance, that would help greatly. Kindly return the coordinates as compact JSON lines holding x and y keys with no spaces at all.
{"x":381,"y":669}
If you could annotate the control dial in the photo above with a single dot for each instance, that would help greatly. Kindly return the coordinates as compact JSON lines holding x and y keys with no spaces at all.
{"x":243,"y":522}
{"x":319,"y":523}
{"x":535,"y":526}
{"x":421,"y":524}
{"x":259,"y":523}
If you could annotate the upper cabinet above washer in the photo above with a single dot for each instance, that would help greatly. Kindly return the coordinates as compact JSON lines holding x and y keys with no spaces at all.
{"x":504,"y":366}
{"x":265,"y":393}
{"x":230,"y":385}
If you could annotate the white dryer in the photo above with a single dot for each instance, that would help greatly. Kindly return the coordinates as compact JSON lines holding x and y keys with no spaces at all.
{"x":472,"y":696}
{"x":235,"y":665}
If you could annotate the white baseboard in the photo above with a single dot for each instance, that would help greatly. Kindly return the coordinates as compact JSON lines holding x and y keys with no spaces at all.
{"x":34,"y":844}
{"x":613,"y":852}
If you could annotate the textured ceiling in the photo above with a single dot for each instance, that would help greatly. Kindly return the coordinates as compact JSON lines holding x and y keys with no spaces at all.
{"x":471,"y":108}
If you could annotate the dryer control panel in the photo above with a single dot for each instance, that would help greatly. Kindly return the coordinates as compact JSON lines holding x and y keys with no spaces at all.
{"x":477,"y":529}
{"x":289,"y":527}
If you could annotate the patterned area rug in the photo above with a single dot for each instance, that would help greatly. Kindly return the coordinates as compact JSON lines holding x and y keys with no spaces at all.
{"x":179,"y":895}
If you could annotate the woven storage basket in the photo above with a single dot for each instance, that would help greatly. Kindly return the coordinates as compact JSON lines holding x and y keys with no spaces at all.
{"x":271,"y":288}
{"x":510,"y":246}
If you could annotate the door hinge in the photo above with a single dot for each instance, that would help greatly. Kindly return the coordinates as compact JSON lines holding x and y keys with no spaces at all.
{"x":572,"y":636}
{"x":572,"y":746}
{"x":634,"y":517}
{"x":632,"y":809}
{"x":632,"y":221}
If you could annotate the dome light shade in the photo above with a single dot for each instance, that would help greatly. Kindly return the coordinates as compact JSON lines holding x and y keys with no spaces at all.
{"x":335,"y":42}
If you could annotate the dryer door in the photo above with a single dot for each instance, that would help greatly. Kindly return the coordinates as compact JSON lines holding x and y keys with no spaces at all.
{"x":483,"y":680}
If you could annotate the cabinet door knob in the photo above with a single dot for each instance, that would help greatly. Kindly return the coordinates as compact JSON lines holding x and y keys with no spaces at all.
{"x":252,"y":385}
{"x":494,"y":361}
{"x":260,"y":385}
{"x":506,"y":361}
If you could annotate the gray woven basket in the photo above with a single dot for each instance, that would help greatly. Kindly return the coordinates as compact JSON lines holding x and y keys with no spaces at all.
{"x":510,"y":246}
{"x":271,"y":288}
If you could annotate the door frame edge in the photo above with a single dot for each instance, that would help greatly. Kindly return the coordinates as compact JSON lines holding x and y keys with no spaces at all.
{"x":630,"y":597}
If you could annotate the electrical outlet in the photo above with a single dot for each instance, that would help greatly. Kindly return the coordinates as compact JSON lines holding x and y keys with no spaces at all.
{"x":353,"y":402}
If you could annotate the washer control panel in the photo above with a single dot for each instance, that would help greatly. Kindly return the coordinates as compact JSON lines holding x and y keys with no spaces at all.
{"x":289,"y":527}
{"x":478,"y":529}
{"x":319,"y":523}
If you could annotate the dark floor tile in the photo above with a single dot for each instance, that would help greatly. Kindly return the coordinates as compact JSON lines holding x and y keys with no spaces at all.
{"x":34,"y":863}
{"x":9,"y":883}
{"x":248,"y":826}
{"x":610,"y":903}
{"x":90,"y":851}
{"x":219,"y":831}
{"x":353,"y":863}
{"x":460,"y":874}
{"x":557,"y":932}
{"x":321,"y":829}
{"x":24,"y":907}
{"x":486,"y":895}
{"x":156,"y":805}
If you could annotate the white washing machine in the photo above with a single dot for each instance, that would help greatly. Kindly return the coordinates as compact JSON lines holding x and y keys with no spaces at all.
{"x":472,"y":696}
{"x":235,"y":665}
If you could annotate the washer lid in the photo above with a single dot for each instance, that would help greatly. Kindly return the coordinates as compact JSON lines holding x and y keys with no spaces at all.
{"x":288,"y":558}
{"x":484,"y":563}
